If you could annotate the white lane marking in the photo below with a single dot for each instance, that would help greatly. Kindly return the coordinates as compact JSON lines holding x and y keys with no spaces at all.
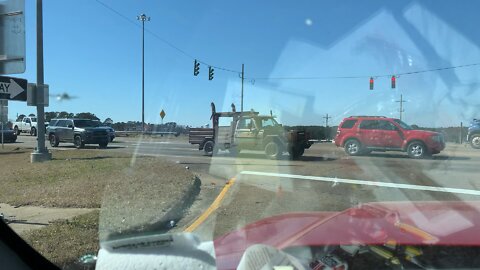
{"x":146,"y":142}
{"x":367,"y":183}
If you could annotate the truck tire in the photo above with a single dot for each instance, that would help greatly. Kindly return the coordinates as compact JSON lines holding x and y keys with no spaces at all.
{"x":296,"y":152}
{"x":103,"y":145}
{"x":273,"y":150}
{"x":33,"y":131}
{"x":53,"y":140}
{"x":209,"y":147}
{"x":353,"y":147}
{"x":475,"y":141}
{"x":77,"y":141}
{"x":417,"y":150}
{"x":17,"y":131}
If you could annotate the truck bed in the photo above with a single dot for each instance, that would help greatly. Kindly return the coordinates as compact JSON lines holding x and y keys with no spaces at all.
{"x":198,"y":135}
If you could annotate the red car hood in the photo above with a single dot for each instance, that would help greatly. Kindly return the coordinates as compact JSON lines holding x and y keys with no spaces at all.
{"x":406,"y":223}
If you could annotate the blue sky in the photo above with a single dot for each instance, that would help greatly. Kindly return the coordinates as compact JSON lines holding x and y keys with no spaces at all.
{"x":95,"y":54}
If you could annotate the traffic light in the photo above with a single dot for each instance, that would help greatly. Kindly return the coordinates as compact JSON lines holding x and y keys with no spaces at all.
{"x":393,"y":82}
{"x":371,"y":83}
{"x":196,"y":68}
{"x":210,"y":73}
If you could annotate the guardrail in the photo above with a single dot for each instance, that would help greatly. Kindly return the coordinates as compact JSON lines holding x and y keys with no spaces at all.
{"x":151,"y":133}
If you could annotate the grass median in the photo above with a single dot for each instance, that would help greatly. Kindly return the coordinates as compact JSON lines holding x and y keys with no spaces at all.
{"x":129,"y":191}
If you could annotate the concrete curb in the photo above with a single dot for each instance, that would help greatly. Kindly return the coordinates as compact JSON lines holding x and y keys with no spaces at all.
{"x":169,"y":219}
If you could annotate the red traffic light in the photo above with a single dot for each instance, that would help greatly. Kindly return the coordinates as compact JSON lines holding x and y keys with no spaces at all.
{"x":371,"y":83}
{"x":394,"y":82}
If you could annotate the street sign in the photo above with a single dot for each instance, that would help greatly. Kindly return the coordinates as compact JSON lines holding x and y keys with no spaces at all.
{"x":12,"y":36}
{"x":32,"y":95}
{"x":162,"y":114}
{"x":13,"y":88}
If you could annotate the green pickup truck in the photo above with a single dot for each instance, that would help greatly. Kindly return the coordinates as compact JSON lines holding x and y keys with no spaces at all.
{"x":249,"y":131}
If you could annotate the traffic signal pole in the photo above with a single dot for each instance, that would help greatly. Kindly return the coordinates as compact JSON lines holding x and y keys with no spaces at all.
{"x":243,"y":77}
{"x":401,"y":110}
{"x":41,"y":152}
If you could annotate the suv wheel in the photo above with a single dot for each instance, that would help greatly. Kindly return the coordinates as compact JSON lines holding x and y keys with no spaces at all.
{"x":77,"y":141}
{"x":353,"y":147}
{"x":272,"y":150}
{"x":103,"y":145}
{"x":475,"y":141}
{"x":53,"y":140}
{"x":416,"y":150}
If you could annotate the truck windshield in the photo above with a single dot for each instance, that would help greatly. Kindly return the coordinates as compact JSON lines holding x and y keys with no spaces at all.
{"x":269,"y":122}
{"x":85,"y":123}
{"x":403,"y":124}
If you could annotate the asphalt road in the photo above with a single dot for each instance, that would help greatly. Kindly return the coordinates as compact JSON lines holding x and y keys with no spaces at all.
{"x":324,"y":179}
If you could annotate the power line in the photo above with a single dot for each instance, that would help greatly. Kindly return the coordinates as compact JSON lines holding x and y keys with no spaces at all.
{"x":168,"y":43}
{"x":364,"y":76}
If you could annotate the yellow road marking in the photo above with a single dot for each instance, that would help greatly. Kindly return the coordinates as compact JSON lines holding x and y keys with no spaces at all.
{"x":211,"y":208}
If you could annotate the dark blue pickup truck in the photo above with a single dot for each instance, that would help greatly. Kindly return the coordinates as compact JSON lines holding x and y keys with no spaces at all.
{"x":473,"y":136}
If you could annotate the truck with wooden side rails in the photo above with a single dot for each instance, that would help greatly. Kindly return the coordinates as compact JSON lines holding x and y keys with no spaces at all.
{"x":249,"y":131}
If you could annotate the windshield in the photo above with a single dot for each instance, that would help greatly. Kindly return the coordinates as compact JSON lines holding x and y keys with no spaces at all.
{"x":402,"y":124}
{"x":209,"y":131}
{"x":269,"y":122}
{"x":85,"y":123}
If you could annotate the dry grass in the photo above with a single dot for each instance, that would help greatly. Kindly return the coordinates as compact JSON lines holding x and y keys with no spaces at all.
{"x":64,"y":242}
{"x":78,"y":178}
{"x":130,"y":192}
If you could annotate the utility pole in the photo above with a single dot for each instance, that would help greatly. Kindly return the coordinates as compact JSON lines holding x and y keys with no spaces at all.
{"x":401,"y":110}
{"x":40,"y":153}
{"x":327,"y":133}
{"x":461,"y":132}
{"x":143,"y":18}
{"x":243,"y":77}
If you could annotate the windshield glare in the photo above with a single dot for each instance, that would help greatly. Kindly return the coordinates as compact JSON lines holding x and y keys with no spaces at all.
{"x":209,"y":130}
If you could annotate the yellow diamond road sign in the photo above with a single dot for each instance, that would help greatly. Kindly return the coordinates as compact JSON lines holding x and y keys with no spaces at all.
{"x":162,"y":114}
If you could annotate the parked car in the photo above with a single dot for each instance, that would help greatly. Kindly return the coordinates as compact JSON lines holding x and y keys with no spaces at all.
{"x":473,"y":135}
{"x":9,"y":135}
{"x":26,"y":125}
{"x":364,"y":134}
{"x":77,"y":131}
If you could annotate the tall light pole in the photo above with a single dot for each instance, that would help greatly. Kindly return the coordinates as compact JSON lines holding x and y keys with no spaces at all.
{"x":143,"y":18}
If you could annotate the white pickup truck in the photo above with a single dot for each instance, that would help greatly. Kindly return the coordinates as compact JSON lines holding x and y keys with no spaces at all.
{"x":26,"y":125}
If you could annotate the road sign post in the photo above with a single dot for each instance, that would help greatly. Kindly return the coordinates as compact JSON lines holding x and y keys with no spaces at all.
{"x":40,"y":153}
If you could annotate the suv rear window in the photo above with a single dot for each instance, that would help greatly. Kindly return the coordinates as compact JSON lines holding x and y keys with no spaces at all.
{"x":349,"y":123}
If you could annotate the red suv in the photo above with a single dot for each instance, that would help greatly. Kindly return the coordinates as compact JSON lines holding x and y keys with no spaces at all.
{"x":364,"y":134}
